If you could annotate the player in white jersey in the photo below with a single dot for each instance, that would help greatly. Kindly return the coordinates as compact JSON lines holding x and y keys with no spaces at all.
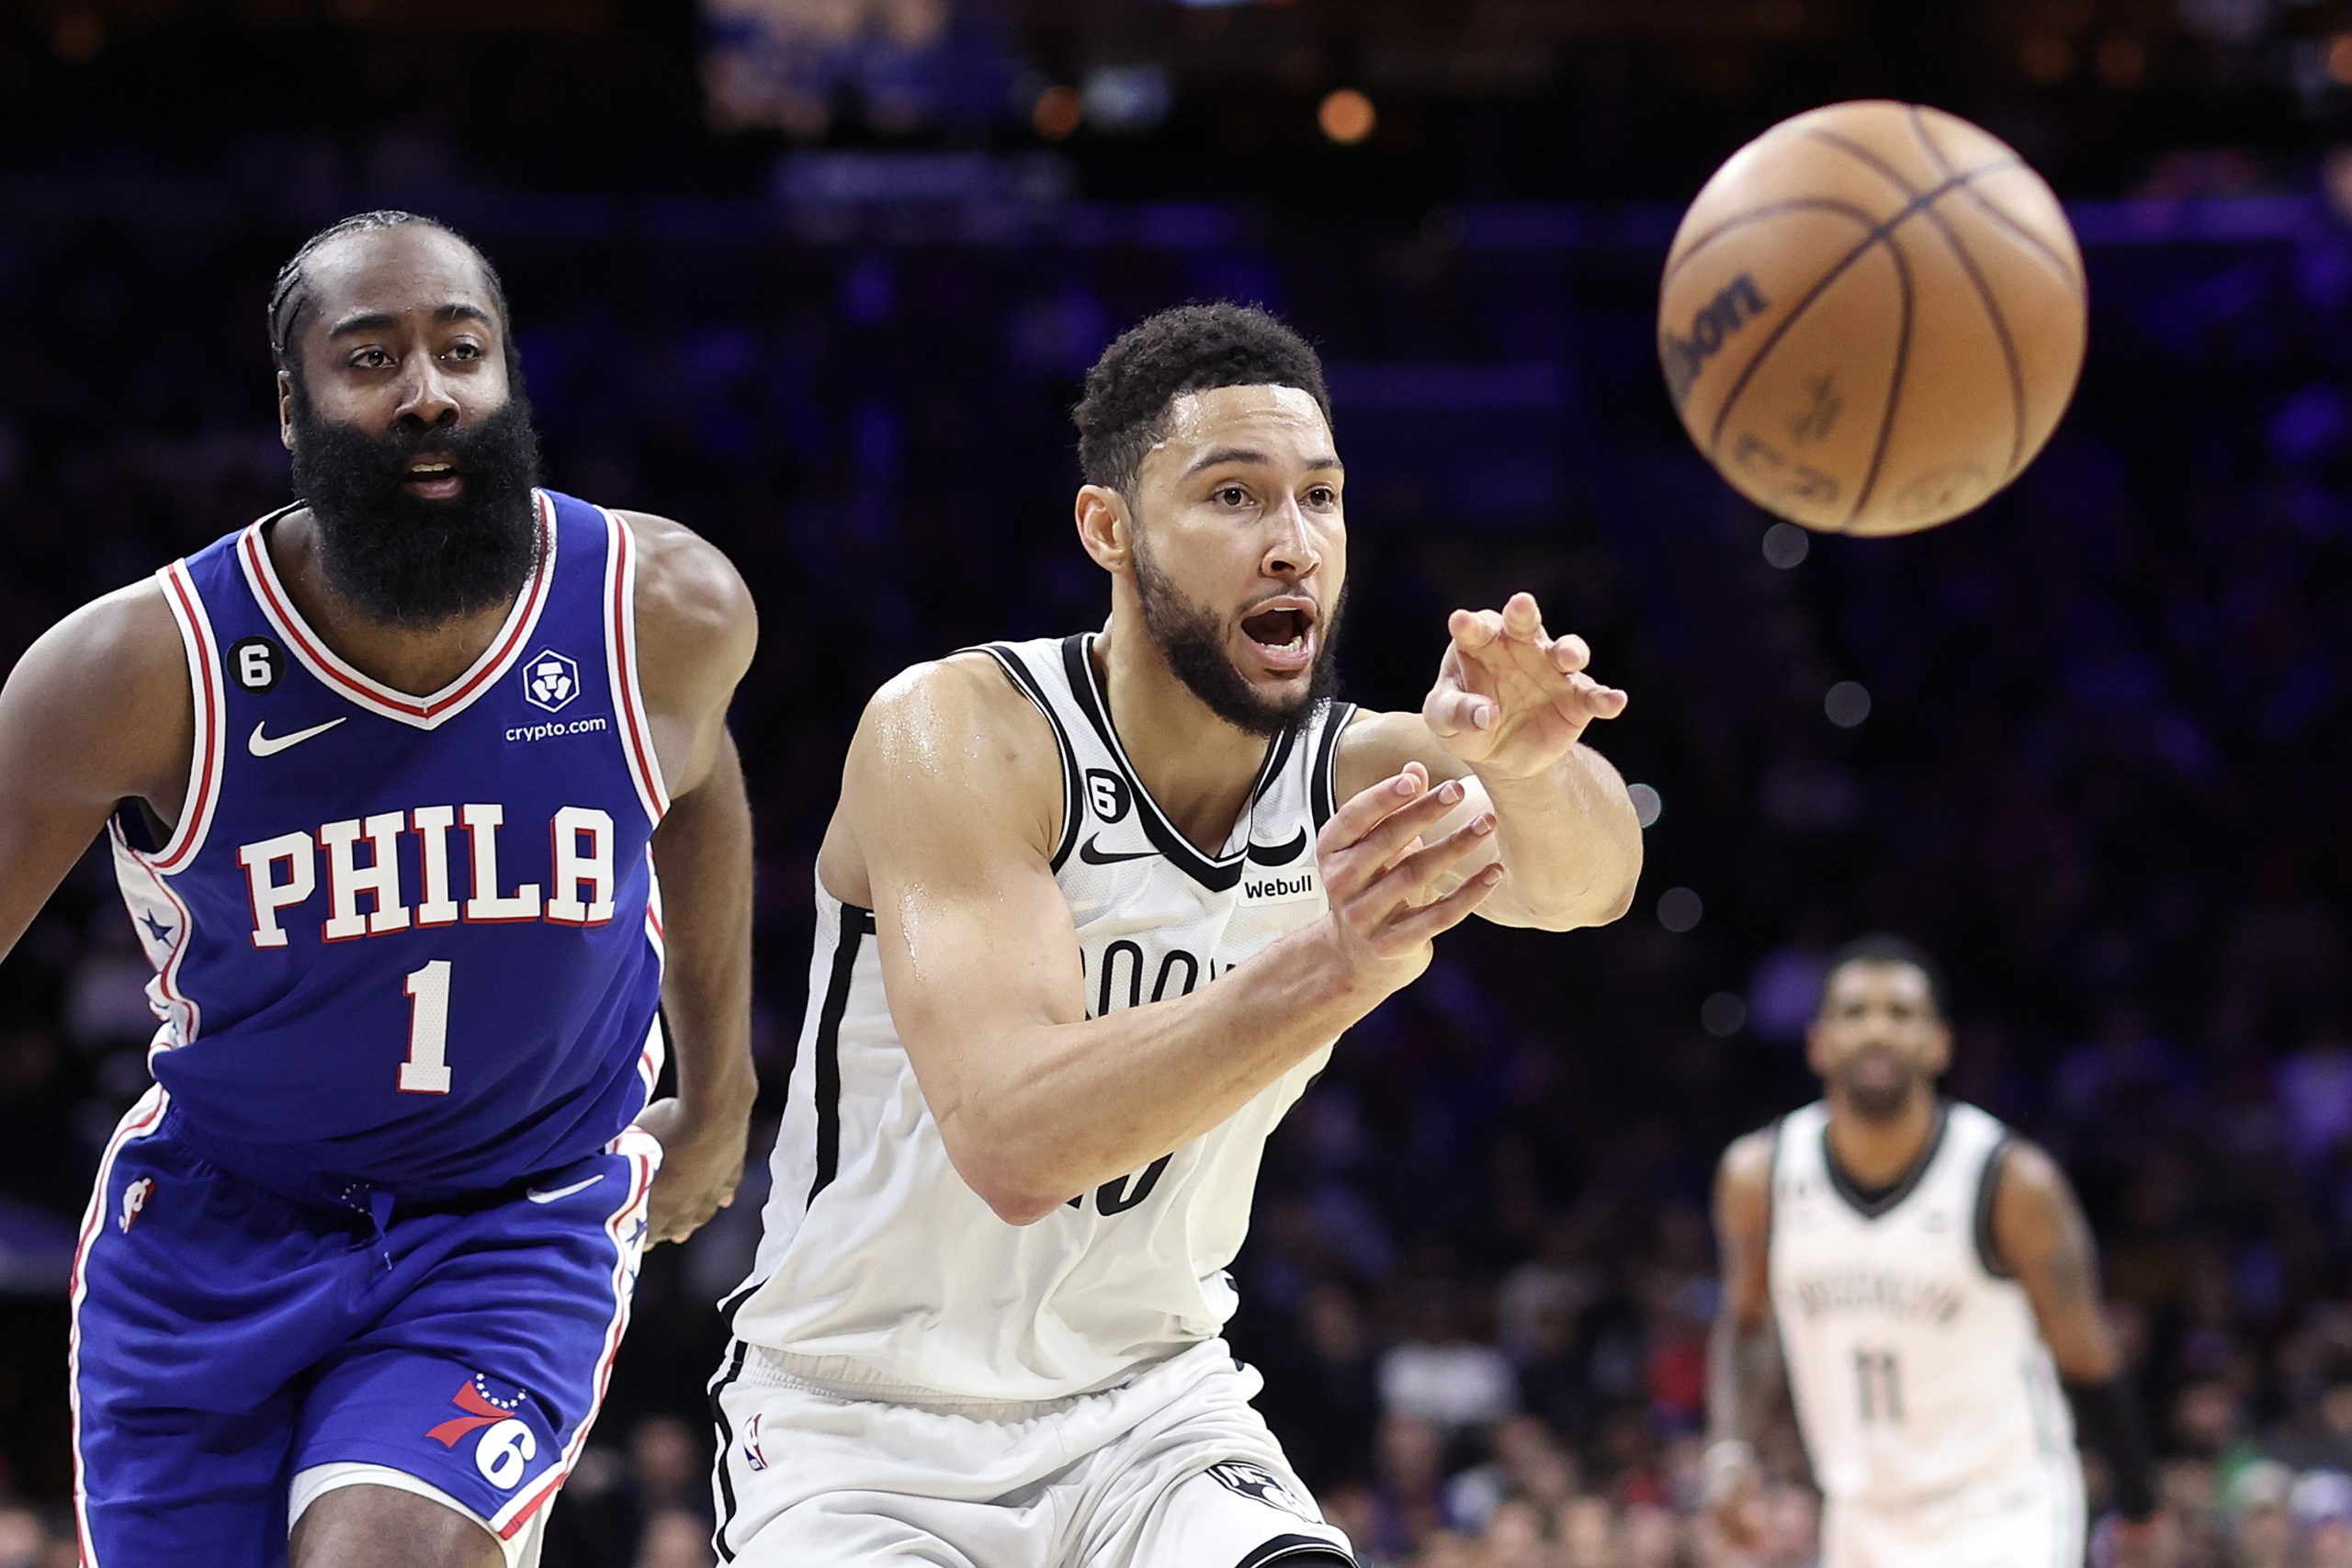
{"x":1090,"y":914}
{"x":1936,"y":1297}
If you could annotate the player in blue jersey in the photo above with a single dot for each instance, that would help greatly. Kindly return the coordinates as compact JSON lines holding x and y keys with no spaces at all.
{"x":382,"y":776}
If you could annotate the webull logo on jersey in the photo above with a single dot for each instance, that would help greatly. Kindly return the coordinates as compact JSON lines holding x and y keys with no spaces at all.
{"x":389,"y":858}
{"x":1281,"y":887}
{"x":1906,"y":1297}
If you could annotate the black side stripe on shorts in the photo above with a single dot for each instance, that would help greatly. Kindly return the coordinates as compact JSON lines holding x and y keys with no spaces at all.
{"x":856,"y":925}
{"x":1283,"y":1546}
{"x":733,"y":1370}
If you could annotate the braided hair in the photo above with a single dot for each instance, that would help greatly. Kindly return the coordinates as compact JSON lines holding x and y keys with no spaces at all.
{"x":290,"y":293}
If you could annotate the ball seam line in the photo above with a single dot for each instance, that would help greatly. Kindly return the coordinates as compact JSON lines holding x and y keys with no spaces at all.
{"x":1975,"y":276}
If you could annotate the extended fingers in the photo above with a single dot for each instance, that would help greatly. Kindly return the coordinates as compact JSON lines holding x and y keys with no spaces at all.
{"x":1365,"y":809}
{"x":1442,"y":915}
{"x":1386,"y":841}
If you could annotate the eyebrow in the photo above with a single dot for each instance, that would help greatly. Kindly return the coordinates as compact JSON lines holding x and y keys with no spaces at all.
{"x":1224,"y":455}
{"x":383,"y":320}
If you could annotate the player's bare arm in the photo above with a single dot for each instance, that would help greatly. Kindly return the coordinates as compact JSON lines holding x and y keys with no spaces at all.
{"x":1743,"y":1356}
{"x":950,"y":805}
{"x":2040,"y":1235}
{"x":697,"y":630}
{"x":98,"y":712}
{"x":1505,"y":722}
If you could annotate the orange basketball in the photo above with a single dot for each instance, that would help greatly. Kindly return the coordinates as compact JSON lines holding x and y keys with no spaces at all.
{"x":1871,"y":318}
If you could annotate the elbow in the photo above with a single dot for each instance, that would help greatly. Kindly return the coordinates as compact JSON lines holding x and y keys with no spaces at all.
{"x":1599,"y":905}
{"x":1013,"y":1188}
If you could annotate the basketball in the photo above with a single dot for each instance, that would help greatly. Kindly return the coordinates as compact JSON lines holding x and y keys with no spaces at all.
{"x":1871,"y":318}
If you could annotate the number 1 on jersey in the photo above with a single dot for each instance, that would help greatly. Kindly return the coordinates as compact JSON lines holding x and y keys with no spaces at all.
{"x":427,"y":1071}
{"x":1881,"y":1390}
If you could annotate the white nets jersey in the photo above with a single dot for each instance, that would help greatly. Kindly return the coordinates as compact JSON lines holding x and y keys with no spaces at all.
{"x":1916,"y":1364}
{"x":879,"y":1270}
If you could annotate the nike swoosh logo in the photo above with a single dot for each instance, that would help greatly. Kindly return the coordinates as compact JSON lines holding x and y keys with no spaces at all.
{"x":1093,"y":856}
{"x":261,"y":745}
{"x":535,"y":1196}
{"x":1280,"y":855}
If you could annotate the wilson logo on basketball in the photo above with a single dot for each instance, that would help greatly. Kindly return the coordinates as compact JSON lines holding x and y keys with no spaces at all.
{"x":1739,"y":303}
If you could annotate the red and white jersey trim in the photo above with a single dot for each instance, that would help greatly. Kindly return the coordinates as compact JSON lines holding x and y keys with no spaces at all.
{"x":182,"y":1019}
{"x":207,"y":757}
{"x":365,"y":690}
{"x":620,"y":669}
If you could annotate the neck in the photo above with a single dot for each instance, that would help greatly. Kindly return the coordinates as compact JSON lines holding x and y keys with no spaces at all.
{"x":1197,"y":767}
{"x":417,"y":660}
{"x":1881,"y":1153}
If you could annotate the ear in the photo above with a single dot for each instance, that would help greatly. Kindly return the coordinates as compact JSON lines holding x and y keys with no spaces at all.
{"x":1106,"y":529}
{"x":1813,"y":1047}
{"x":286,"y":411}
{"x":1940,"y":1053}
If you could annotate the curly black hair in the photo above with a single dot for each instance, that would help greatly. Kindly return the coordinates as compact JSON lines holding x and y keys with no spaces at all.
{"x":1189,"y":349}
{"x":1881,"y":948}
{"x":291,"y":291}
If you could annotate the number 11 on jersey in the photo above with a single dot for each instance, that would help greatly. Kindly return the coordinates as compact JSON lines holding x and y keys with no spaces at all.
{"x":1881,"y":1390}
{"x":427,"y":1071}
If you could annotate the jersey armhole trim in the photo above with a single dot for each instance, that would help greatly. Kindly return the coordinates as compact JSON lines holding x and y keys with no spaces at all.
{"x":207,"y":756}
{"x":620,"y":669}
{"x":1988,"y":1190}
{"x":1323,"y":779}
{"x":1018,"y":672}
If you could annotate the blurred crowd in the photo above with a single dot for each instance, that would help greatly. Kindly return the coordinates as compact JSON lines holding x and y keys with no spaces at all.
{"x":2095,"y":765}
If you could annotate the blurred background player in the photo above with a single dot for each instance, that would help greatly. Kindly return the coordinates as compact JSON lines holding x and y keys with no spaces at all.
{"x":1092,"y":912}
{"x":382,"y":773}
{"x":1936,"y":1298}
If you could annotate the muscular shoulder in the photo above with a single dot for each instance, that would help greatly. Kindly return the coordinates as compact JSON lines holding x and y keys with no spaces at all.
{"x":953,"y":736}
{"x":2032,"y":1193}
{"x":1744,"y":1177}
{"x":104,"y":696}
{"x":696,"y":624}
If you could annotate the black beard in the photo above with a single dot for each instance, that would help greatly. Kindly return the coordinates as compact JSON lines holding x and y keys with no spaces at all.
{"x":400,"y":558}
{"x":1191,"y":640}
{"x":1879,"y":1102}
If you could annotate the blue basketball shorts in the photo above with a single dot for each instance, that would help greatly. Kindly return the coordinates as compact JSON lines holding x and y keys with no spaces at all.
{"x":231,"y":1346}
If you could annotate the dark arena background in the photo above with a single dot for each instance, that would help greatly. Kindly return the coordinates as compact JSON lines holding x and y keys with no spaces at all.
{"x":819,"y":278}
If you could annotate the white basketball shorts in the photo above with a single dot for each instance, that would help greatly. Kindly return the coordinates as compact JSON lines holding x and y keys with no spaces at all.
{"x":1173,"y":1470}
{"x":2030,"y":1521}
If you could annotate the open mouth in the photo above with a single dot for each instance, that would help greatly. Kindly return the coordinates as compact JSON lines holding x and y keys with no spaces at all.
{"x":436,"y":478}
{"x":1281,"y":633}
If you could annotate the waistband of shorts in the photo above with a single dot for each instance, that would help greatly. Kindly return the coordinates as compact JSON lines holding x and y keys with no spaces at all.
{"x":840,"y":1377}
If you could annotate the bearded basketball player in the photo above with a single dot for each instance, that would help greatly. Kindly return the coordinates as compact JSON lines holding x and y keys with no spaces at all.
{"x":387,"y":777}
{"x":1092,"y":912}
{"x":1936,"y":1297}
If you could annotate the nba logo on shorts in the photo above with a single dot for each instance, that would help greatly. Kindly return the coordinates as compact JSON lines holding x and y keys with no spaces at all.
{"x":752,"y":1454}
{"x":134,"y":1199}
{"x":550,"y":680}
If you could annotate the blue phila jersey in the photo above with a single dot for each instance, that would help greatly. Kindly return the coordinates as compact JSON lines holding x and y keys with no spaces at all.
{"x":409,"y":941}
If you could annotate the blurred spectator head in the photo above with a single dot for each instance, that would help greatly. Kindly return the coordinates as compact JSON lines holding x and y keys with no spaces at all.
{"x":674,"y":1539}
{"x":1589,"y":1538}
{"x":668,"y":1461}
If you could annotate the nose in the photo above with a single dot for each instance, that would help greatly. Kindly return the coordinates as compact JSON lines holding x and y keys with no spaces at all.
{"x":1290,"y":554}
{"x":426,"y":396}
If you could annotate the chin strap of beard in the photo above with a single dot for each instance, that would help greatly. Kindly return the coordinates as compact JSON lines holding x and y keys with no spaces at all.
{"x":2106,"y":1419}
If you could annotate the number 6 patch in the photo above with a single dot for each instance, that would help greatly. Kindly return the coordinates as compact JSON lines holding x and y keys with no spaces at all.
{"x":257,"y":662}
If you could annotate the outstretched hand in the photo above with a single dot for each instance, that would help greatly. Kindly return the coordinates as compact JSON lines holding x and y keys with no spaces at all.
{"x":1510,"y":700}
